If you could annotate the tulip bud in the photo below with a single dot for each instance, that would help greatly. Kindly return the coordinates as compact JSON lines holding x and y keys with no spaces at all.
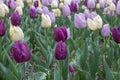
{"x":54,"y":4}
{"x":102,"y":3}
{"x":46,"y":2}
{"x":118,"y":8}
{"x":46,"y":18}
{"x":90,"y":3}
{"x":105,"y":30}
{"x":11,"y":4}
{"x":74,"y":6}
{"x":60,"y":34}
{"x":15,"y":18}
{"x":45,"y":10}
{"x":116,"y":34}
{"x":67,"y":1}
{"x":112,"y":7}
{"x":16,"y":33}
{"x":2,"y":28}
{"x":19,"y":9}
{"x":20,"y":3}
{"x":98,"y":6}
{"x":2,"y":11}
{"x":57,"y":12}
{"x":79,"y":20}
{"x":95,"y":23}
{"x":60,"y":50}
{"x":52,"y":16}
{"x":29,"y":2}
{"x":5,"y":8}
{"x":36,"y":3}
{"x":61,"y":5}
{"x":20,"y":52}
{"x":33,"y":12}
{"x":71,"y":68}
{"x":84,"y":7}
{"x":66,"y":10}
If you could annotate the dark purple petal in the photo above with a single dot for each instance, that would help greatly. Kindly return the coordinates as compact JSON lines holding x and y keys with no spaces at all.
{"x":2,"y":28}
{"x":71,"y":68}
{"x":116,"y":34}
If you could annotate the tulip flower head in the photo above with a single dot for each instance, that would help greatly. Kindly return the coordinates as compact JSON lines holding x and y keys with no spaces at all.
{"x":116,"y":34}
{"x":61,"y":51}
{"x":105,"y":30}
{"x":2,"y":28}
{"x":71,"y":68}
{"x":33,"y":12}
{"x":66,"y":10}
{"x":20,"y":52}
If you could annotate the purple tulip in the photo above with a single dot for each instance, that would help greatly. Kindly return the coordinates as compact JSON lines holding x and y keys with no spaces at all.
{"x":52,"y":16}
{"x":90,"y":3}
{"x":33,"y":12}
{"x":36,"y":3}
{"x":87,"y":13}
{"x":74,"y":7}
{"x":71,"y":68}
{"x":20,"y":51}
{"x":46,"y":2}
{"x":92,"y":15}
{"x":60,"y":33}
{"x":105,"y":30}
{"x":116,"y":34}
{"x":66,"y":10}
{"x":60,"y":50}
{"x":79,"y":20}
{"x":45,"y":10}
{"x":15,"y":18}
{"x":2,"y":28}
{"x":118,"y":8}
{"x":11,"y":4}
{"x":102,"y":3}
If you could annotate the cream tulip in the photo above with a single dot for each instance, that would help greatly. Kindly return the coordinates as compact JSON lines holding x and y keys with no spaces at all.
{"x":19,"y":9}
{"x":46,"y":22}
{"x":54,"y":4}
{"x":20,"y":3}
{"x":5,"y":8}
{"x":16,"y":33}
{"x":57,"y":12}
{"x":2,"y":11}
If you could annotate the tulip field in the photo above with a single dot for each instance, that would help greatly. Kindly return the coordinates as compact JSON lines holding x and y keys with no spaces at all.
{"x":59,"y":39}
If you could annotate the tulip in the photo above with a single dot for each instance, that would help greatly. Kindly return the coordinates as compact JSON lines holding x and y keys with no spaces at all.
{"x":57,"y":12}
{"x":2,"y":11}
{"x":67,"y":1}
{"x":46,"y":22}
{"x":5,"y":8}
{"x":95,"y":23}
{"x":86,"y":13}
{"x":61,"y":5}
{"x":29,"y":2}
{"x":71,"y":68}
{"x":20,"y":52}
{"x":11,"y":4}
{"x":20,"y":3}
{"x":19,"y":9}
{"x":118,"y":8}
{"x":66,"y":10}
{"x":2,"y":28}
{"x":52,"y":16}
{"x":16,"y":33}
{"x":46,"y":2}
{"x":36,"y":3}
{"x":45,"y":10}
{"x":15,"y":18}
{"x":60,"y":50}
{"x":54,"y":3}
{"x":74,"y":6}
{"x":116,"y":34}
{"x":33,"y":12}
{"x":105,"y":30}
{"x":90,"y":3}
{"x":102,"y":3}
{"x":60,"y":33}
{"x":79,"y":20}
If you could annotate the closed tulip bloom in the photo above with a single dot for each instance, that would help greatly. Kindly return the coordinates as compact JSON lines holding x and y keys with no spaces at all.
{"x":74,"y":6}
{"x":5,"y":8}
{"x":16,"y":33}
{"x":60,"y":33}
{"x":45,"y":2}
{"x":61,"y":51}
{"x":71,"y":68}
{"x":2,"y":11}
{"x":95,"y":23}
{"x":36,"y":3}
{"x":90,"y":3}
{"x":33,"y":12}
{"x":86,"y":13}
{"x":52,"y":16}
{"x":11,"y":4}
{"x":67,"y":1}
{"x":102,"y":3}
{"x":19,"y":9}
{"x":45,"y":10}
{"x":105,"y":30}
{"x":57,"y":12}
{"x":54,"y":3}
{"x":79,"y":20}
{"x":15,"y":18}
{"x":20,"y":3}
{"x":20,"y":52}
{"x":66,"y":10}
{"x":118,"y":8}
{"x":116,"y":34}
{"x":2,"y":28}
{"x":46,"y":22}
